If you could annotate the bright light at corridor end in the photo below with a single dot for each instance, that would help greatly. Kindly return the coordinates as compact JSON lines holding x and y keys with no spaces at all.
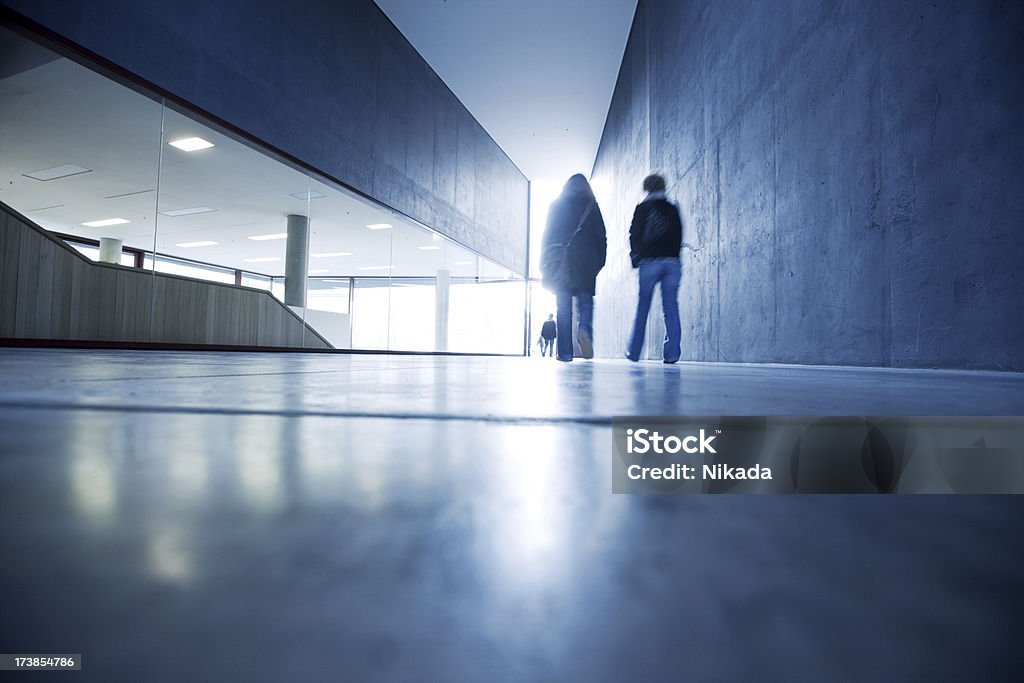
{"x":191,"y":144}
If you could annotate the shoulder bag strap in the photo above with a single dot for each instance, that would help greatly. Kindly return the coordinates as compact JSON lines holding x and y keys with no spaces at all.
{"x":583,"y":219}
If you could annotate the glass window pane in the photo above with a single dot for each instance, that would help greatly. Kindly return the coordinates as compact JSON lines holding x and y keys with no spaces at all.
{"x":487,"y":317}
{"x":328,"y":294}
{"x":256,"y":281}
{"x":349,"y":238}
{"x":370,"y":303}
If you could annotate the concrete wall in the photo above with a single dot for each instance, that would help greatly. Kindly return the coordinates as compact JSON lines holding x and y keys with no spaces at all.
{"x":331,"y":82}
{"x":851,"y":172}
{"x":50,"y":291}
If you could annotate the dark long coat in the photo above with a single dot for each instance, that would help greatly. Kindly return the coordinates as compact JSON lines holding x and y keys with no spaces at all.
{"x":587,"y":251}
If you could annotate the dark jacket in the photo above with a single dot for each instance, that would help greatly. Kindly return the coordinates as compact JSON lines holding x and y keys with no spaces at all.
{"x":656,"y":231}
{"x":586,"y":252}
{"x":548,"y":330}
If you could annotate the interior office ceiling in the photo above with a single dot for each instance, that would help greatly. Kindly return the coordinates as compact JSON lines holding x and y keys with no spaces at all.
{"x":55,"y":112}
{"x":537,"y":74}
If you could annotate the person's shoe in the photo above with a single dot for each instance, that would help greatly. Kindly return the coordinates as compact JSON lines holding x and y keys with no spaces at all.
{"x":670,"y":362}
{"x":630,"y":358}
{"x":565,"y":359}
{"x":586,"y":344}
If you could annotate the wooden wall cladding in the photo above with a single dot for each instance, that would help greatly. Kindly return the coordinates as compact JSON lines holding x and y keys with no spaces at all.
{"x":50,"y":291}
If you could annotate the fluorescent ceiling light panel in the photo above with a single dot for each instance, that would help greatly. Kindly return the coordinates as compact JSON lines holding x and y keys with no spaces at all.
{"x":332,"y":254}
{"x":275,"y":236}
{"x":105,"y":223}
{"x":429,"y":247}
{"x":57,"y":172}
{"x":266,"y":259}
{"x":189,"y":211}
{"x":204,"y":243}
{"x":191,"y":144}
{"x":379,"y":226}
{"x":312,"y":194}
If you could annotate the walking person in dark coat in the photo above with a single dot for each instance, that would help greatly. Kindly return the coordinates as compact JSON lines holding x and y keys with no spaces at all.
{"x":655,"y":238}
{"x":573,"y":252}
{"x":548,"y":333}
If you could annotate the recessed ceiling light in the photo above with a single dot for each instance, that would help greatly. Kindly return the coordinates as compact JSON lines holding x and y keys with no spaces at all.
{"x":266,"y":259}
{"x":312,"y":194}
{"x":57,"y":172}
{"x":189,"y":211}
{"x":275,"y":236}
{"x":105,"y":222}
{"x":463,"y":263}
{"x":332,"y":254}
{"x":429,"y":247}
{"x":375,"y":267}
{"x":204,"y":243}
{"x":379,"y":226}
{"x":191,"y":144}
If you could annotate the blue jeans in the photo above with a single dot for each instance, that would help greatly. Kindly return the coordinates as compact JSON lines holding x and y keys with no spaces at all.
{"x":563,"y":318}
{"x":667,"y":271}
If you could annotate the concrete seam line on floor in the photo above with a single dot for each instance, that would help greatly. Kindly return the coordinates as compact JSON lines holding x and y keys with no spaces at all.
{"x":246,"y":412}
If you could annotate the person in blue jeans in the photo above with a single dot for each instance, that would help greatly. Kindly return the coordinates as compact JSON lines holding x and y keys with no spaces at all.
{"x":572,"y":254}
{"x":655,"y":238}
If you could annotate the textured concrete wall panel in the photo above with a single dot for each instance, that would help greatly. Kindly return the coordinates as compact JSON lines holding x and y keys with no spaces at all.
{"x":849,"y":173}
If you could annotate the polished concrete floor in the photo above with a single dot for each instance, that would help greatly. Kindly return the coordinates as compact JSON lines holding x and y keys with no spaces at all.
{"x":280,"y":517}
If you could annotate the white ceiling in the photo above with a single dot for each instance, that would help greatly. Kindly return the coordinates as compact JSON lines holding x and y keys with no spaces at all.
{"x":537,"y":74}
{"x":59,"y":112}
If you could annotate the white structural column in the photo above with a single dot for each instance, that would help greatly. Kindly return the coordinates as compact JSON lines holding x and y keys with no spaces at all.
{"x":110,"y":250}
{"x":296,"y":254}
{"x":441,"y":297}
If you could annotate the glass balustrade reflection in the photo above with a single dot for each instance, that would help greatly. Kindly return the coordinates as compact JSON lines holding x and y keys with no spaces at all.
{"x":79,"y":158}
{"x":207,"y":218}
{"x":225,"y":212}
